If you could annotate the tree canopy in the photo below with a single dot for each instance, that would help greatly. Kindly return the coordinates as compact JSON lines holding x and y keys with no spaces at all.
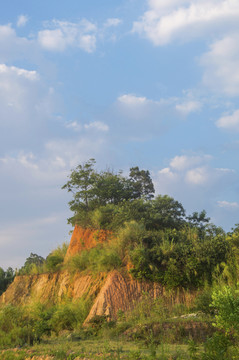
{"x":92,"y":189}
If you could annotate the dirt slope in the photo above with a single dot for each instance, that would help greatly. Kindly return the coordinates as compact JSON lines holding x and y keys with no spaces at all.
{"x":84,"y":239}
{"x":51,"y":288}
{"x":110,"y":292}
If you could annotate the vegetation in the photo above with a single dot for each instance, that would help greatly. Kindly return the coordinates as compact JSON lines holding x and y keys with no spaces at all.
{"x":195,"y":261}
{"x":6,"y":277}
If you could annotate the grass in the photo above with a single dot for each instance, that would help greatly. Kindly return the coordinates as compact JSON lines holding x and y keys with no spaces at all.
{"x":65,"y":348}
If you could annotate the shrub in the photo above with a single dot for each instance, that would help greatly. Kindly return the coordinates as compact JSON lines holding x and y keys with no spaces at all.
{"x":226,"y":305}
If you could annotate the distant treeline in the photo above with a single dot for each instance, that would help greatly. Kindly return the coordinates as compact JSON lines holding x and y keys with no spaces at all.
{"x":6,"y":277}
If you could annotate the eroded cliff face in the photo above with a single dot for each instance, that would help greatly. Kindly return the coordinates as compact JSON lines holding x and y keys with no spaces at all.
{"x":109,"y":292}
{"x":51,"y":288}
{"x":85,"y":239}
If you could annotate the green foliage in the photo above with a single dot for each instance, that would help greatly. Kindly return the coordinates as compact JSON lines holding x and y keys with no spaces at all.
{"x":29,"y":324}
{"x":178,"y":258}
{"x":55,"y":259}
{"x":6,"y":278}
{"x":54,"y":262}
{"x":98,"y":259}
{"x":216,"y":348}
{"x":92,"y":189}
{"x":33,"y":265}
{"x":226,"y":304}
{"x":204,"y":300}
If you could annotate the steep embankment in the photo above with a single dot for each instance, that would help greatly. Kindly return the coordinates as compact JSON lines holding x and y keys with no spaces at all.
{"x":51,"y":288}
{"x":109,"y":292}
{"x":85,"y":239}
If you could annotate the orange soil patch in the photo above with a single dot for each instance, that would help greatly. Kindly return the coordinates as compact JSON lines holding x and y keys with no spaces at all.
{"x":84,"y":239}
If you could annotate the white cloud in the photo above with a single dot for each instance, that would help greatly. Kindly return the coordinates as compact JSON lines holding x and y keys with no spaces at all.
{"x":63,"y":34}
{"x":14,"y":47}
{"x":26,"y":104}
{"x":197,"y":176}
{"x":184,"y":20}
{"x":194,"y":181}
{"x":13,"y":70}
{"x":183,"y":162}
{"x":112,"y":22}
{"x":228,"y":205}
{"x":188,"y":107}
{"x":132,"y":100}
{"x":97,"y":125}
{"x":221,"y":64}
{"x":168,"y":173}
{"x":74,"y":125}
{"x":22,"y":20}
{"x":229,"y":122}
{"x":190,"y":172}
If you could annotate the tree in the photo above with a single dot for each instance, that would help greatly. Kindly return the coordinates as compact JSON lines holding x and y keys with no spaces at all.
{"x":165,"y":212}
{"x":6,"y":277}
{"x":82,"y":185}
{"x":111,"y":188}
{"x":92,"y":190}
{"x":142,"y":184}
{"x":34,"y":261}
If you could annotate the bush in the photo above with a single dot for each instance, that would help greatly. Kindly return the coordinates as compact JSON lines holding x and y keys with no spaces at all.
{"x":204,"y":300}
{"x":98,"y":259}
{"x":226,"y":305}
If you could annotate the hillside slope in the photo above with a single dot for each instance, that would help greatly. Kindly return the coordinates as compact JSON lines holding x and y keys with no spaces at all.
{"x":108,"y":292}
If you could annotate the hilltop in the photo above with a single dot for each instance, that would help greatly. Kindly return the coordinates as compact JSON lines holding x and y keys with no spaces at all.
{"x":137,"y":267}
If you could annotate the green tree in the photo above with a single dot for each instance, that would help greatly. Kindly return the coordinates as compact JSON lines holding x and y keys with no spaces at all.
{"x":111,"y":188}
{"x":141,"y":183}
{"x":82,"y":185}
{"x":34,"y":261}
{"x":93,"y":190}
{"x":6,"y":277}
{"x":165,"y":212}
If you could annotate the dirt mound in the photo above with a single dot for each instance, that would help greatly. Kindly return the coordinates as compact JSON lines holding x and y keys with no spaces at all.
{"x":84,"y":239}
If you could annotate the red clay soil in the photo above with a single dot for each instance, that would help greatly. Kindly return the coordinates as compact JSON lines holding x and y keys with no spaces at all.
{"x":84,"y":239}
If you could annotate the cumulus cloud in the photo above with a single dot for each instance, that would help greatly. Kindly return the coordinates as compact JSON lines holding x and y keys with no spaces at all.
{"x":97,"y":125}
{"x":112,"y":22}
{"x":63,"y":34}
{"x":185,"y":20}
{"x":13,"y":70}
{"x":186,"y":173}
{"x":132,"y":100}
{"x":193,"y":180}
{"x":182,"y":162}
{"x":22,"y":20}
{"x":14,"y":47}
{"x":25,"y":105}
{"x":187,"y":107}
{"x":74,"y":125}
{"x":221,"y":64}
{"x":229,"y":122}
{"x":197,"y":176}
{"x":228,"y":205}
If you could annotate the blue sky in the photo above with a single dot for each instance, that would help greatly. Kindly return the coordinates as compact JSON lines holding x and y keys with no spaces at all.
{"x":153,"y":83}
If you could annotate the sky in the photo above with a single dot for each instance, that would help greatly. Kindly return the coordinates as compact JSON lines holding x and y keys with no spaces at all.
{"x":148,"y":83}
